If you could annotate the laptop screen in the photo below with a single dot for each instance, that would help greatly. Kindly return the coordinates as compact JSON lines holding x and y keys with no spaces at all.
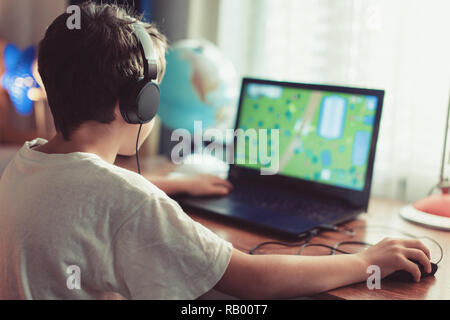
{"x":324,"y":136}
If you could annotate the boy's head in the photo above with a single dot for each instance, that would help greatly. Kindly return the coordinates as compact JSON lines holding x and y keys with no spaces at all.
{"x":84,"y":70}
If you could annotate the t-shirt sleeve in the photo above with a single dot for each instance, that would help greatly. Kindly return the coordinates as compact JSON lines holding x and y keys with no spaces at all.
{"x":161,"y":253}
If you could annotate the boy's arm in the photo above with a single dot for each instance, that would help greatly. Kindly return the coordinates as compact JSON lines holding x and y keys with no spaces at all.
{"x":284,"y":277}
{"x":200,"y":185}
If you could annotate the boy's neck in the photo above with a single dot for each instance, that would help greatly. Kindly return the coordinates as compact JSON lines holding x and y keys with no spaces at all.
{"x":89,"y":139}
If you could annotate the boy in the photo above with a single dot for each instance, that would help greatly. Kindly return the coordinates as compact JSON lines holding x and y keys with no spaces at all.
{"x":65,"y":206}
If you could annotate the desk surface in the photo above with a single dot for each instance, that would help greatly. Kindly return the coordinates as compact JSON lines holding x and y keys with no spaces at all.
{"x":381,"y":221}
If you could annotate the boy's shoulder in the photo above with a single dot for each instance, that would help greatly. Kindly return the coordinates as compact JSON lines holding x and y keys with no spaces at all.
{"x":77,"y":181}
{"x":119,"y":183}
{"x":106,"y":191}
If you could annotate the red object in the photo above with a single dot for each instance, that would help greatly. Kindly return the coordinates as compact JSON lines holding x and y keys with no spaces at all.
{"x":438,"y":205}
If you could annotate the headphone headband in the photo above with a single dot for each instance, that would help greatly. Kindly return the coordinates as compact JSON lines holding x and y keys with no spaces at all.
{"x":147,"y":50}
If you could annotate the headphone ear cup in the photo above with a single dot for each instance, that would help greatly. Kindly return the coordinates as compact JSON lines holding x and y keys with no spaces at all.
{"x":139,"y":102}
{"x":148,"y":102}
{"x":127,"y":102}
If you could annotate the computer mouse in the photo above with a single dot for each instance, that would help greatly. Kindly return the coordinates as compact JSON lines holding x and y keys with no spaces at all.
{"x":405,"y":276}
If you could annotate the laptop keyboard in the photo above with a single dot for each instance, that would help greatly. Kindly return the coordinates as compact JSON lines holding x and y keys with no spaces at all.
{"x":313,"y":208}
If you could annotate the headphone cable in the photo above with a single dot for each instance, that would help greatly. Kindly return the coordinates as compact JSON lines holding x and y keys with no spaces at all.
{"x":137,"y":149}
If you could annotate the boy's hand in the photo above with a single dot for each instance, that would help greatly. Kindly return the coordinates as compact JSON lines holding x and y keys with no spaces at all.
{"x":205,"y":185}
{"x":391,"y":255}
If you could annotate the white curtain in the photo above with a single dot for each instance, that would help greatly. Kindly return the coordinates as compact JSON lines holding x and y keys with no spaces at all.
{"x":401,"y":46}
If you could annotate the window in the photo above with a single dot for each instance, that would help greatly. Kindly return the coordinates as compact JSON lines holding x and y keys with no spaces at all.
{"x":400,"y":46}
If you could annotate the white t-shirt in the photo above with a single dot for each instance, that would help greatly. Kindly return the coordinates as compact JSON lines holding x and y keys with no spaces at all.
{"x":60,"y":212}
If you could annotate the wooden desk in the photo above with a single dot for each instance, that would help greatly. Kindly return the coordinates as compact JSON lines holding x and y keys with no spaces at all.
{"x":382,"y":213}
{"x":371,"y":227}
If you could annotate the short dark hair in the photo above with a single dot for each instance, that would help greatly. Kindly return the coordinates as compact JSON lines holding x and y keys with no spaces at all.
{"x":83,"y":70}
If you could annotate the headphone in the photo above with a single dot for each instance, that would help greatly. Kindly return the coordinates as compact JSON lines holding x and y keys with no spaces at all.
{"x":139,"y":100}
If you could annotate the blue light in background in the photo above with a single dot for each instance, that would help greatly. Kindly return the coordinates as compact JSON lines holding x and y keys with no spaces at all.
{"x":18,"y":78}
{"x":11,"y":56}
{"x":146,"y":9}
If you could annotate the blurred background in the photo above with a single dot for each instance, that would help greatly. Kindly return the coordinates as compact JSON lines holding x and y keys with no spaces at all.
{"x":400,"y":46}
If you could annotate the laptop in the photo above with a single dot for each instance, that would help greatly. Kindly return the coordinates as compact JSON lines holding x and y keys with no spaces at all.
{"x":327,"y":137}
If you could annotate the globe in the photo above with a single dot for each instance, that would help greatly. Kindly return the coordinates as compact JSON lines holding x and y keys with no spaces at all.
{"x":200,"y":84}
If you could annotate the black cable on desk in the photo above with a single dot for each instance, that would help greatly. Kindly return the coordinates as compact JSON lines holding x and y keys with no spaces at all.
{"x":306,"y":245}
{"x":309,"y":235}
